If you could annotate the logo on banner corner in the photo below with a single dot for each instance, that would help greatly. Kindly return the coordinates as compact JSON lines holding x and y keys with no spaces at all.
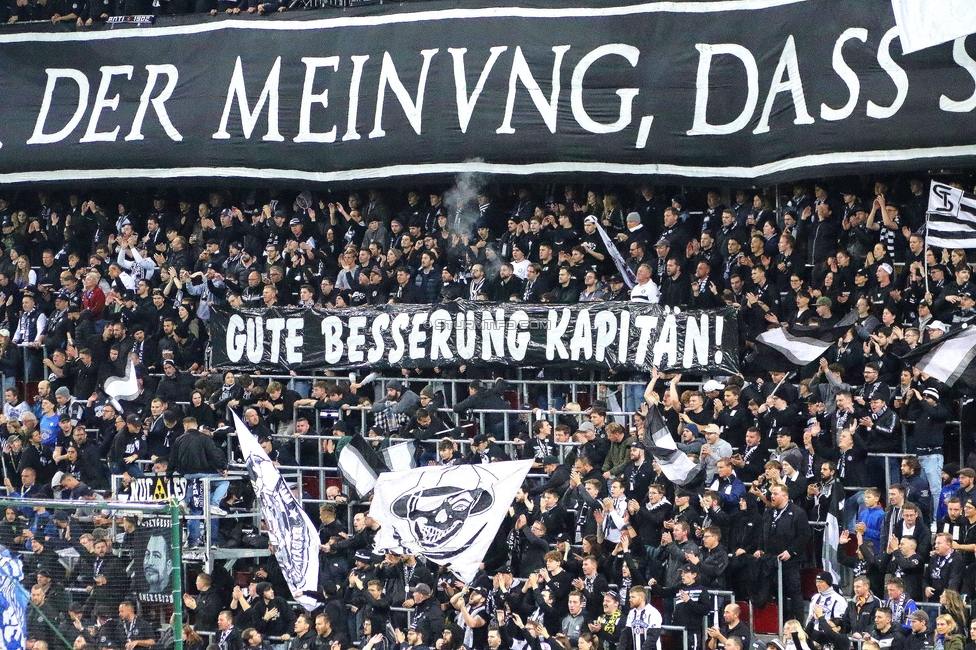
{"x":946,"y":194}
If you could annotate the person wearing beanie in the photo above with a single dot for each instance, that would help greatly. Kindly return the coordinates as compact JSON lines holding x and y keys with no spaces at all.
{"x":832,"y":605}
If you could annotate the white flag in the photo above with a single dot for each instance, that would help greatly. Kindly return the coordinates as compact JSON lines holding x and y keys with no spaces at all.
{"x":924,"y":23}
{"x":952,"y":217}
{"x":628,"y":276}
{"x":450,"y":515}
{"x":126,"y":387}
{"x":399,"y":457}
{"x":295,"y":539}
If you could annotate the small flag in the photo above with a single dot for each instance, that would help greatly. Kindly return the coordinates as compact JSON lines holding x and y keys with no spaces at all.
{"x":798,"y":345}
{"x":123,"y":388}
{"x":831,"y":543}
{"x":450,"y":515}
{"x":295,"y":539}
{"x":657,"y":439}
{"x":399,"y":457}
{"x":948,"y":358}
{"x":618,"y":259}
{"x":952,"y":217}
{"x":360,"y":464}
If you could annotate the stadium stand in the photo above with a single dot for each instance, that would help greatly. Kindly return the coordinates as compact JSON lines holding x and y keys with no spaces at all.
{"x":90,"y":280}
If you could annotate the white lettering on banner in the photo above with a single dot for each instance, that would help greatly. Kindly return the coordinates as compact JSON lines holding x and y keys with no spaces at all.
{"x":706,"y":52}
{"x":631,"y":54}
{"x":158,"y":102}
{"x":236,"y":339}
{"x":275,"y":327}
{"x":294,"y":93}
{"x":466,"y":340}
{"x":494,"y":334}
{"x":521,"y":72}
{"x":155,"y":488}
{"x":465,"y":104}
{"x":249,"y":119}
{"x":646,"y":324}
{"x":354,"y":84}
{"x":294,"y":339}
{"x":312,"y":64}
{"x":355,"y":340}
{"x":555,"y":332}
{"x":417,"y":336}
{"x":102,"y":102}
{"x":606,"y":331}
{"x":518,"y":335}
{"x":582,"y":341}
{"x":788,"y":65}
{"x":53,"y":74}
{"x":696,"y":342}
{"x":667,"y":343}
{"x":966,"y":62}
{"x":848,"y":76}
{"x":332,"y":335}
{"x":380,"y":323}
{"x":400,"y":322}
{"x":440,"y":335}
{"x":412,"y":109}
{"x":897,"y":74}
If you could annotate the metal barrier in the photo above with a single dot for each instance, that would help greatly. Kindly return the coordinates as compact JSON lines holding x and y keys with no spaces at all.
{"x":164,"y":551}
{"x":678,"y":628}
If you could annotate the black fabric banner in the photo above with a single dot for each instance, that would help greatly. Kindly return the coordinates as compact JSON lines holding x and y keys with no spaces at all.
{"x":749,"y":89}
{"x":622,"y":336}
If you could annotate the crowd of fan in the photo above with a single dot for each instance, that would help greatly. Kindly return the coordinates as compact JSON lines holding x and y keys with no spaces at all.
{"x":89,"y":13}
{"x":84,"y":287}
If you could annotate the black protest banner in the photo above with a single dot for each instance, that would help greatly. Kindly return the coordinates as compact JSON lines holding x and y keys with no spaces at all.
{"x":618,"y":335}
{"x":755,"y":89}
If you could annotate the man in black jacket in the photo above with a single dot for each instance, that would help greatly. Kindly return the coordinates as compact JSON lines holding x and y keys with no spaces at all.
{"x":785,"y":534}
{"x":691,"y":602}
{"x":229,"y":637}
{"x":945,"y":570}
{"x":273,"y":616}
{"x":304,"y":638}
{"x":206,"y":604}
{"x":194,"y":455}
{"x":427,"y":614}
{"x":558,"y":478}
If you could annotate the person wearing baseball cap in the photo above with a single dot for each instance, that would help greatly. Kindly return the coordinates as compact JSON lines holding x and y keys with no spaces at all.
{"x":427,"y":614}
{"x":691,"y":602}
{"x":967,"y":485}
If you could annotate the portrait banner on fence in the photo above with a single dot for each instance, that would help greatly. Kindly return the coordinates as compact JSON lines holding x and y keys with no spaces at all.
{"x":154,"y":582}
{"x":624,"y":336}
{"x":740,"y":89}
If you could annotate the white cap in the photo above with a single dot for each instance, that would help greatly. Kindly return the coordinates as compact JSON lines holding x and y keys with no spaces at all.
{"x":711,"y":385}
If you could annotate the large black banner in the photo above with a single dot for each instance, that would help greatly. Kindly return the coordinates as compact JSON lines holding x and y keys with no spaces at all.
{"x":755,"y":89}
{"x":622,"y":336}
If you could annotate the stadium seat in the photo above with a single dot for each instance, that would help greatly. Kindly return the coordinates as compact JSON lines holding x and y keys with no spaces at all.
{"x":766,"y":619}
